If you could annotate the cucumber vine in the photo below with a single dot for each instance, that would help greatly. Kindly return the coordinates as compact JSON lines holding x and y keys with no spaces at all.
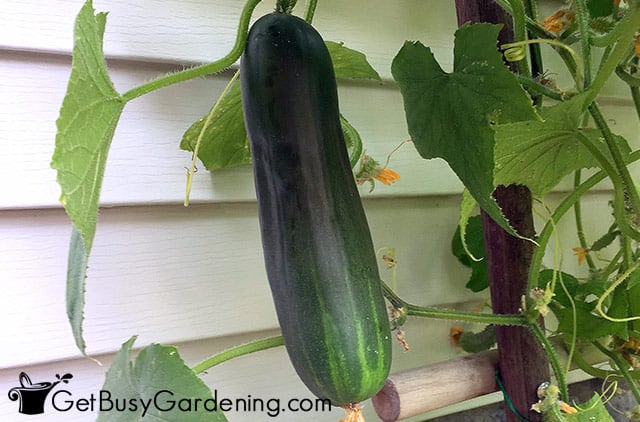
{"x":515,"y":123}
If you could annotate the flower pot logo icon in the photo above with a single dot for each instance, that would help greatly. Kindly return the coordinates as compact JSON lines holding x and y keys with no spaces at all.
{"x":32,"y":396}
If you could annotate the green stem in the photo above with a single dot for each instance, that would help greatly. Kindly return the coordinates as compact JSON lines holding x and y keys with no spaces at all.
{"x":577,"y":211}
{"x":205,"y":126}
{"x":619,"y":184}
{"x":531,"y":24}
{"x":629,"y":79}
{"x":623,"y":367}
{"x":553,"y":360}
{"x":635,"y":94}
{"x":203,"y":70}
{"x":583,"y":365}
{"x":616,"y":154}
{"x":310,"y":10}
{"x":241,"y":350}
{"x":537,"y":66}
{"x":450,"y":314}
{"x":625,"y":34}
{"x":561,"y":209}
{"x":535,"y":86}
{"x":583,"y":18}
{"x":621,"y":278}
{"x":575,"y":66}
{"x":519,"y":32}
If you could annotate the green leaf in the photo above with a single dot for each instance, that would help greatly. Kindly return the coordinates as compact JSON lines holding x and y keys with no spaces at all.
{"x":224,"y":143}
{"x":479,"y":279}
{"x":570,"y":283}
{"x":590,"y":326}
{"x":450,"y":115}
{"x":348,"y":63}
{"x":605,"y":240}
{"x":89,"y":114}
{"x":76,"y":276}
{"x":591,"y":411}
{"x":467,"y":208}
{"x":539,"y":154}
{"x":599,"y":8}
{"x":88,"y":117}
{"x":353,"y":140}
{"x":478,"y":342}
{"x":156,"y":377}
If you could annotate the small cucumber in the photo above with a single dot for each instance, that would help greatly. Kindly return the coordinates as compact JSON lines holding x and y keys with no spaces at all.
{"x":318,"y":251}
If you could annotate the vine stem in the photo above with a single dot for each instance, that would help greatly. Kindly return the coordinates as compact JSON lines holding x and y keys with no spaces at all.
{"x":309,"y":10}
{"x":561,"y":209}
{"x":450,"y":314}
{"x":623,"y":367}
{"x":618,"y":185}
{"x":618,"y":160}
{"x":554,"y":361}
{"x":635,"y":95}
{"x":519,"y":31}
{"x":513,"y":51}
{"x":625,"y":31}
{"x":203,"y":70}
{"x":241,"y":350}
{"x":585,"y":41}
{"x":577,"y":211}
{"x":610,"y":290}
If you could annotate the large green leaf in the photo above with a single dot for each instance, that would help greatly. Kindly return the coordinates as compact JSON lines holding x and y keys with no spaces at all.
{"x":590,"y":326}
{"x":350,"y":64}
{"x":74,"y":294}
{"x":591,"y":411}
{"x":88,"y":117}
{"x":160,"y":379}
{"x":539,"y":154}
{"x":224,"y":142}
{"x":450,"y":115}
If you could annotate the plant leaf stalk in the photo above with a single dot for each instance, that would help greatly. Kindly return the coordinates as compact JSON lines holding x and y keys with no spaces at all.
{"x":623,"y":367}
{"x":583,"y":18}
{"x":203,"y":70}
{"x":309,"y":10}
{"x":577,"y":212}
{"x":566,"y":204}
{"x":450,"y":314}
{"x":554,"y":361}
{"x":627,"y":181}
{"x":237,"y":351}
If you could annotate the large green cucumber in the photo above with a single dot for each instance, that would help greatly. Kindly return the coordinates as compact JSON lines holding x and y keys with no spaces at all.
{"x":317,"y":246}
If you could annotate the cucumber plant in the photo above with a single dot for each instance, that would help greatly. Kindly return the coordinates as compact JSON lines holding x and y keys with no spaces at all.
{"x":490,"y":124}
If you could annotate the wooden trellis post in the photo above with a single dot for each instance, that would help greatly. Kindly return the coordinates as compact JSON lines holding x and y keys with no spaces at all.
{"x":522,"y":362}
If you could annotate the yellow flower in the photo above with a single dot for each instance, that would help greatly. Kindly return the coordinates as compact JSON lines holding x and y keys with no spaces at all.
{"x":581,"y":253}
{"x":387,"y":176}
{"x":557,"y":22}
{"x":371,"y":170}
{"x":567,"y":408}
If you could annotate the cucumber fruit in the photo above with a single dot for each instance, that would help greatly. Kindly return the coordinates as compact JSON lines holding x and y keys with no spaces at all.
{"x":318,"y":251}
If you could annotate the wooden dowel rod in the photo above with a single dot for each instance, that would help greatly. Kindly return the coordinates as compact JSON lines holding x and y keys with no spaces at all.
{"x":431,"y":387}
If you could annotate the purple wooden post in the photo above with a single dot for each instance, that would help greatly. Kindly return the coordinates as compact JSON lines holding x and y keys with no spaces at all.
{"x":522,"y":361}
